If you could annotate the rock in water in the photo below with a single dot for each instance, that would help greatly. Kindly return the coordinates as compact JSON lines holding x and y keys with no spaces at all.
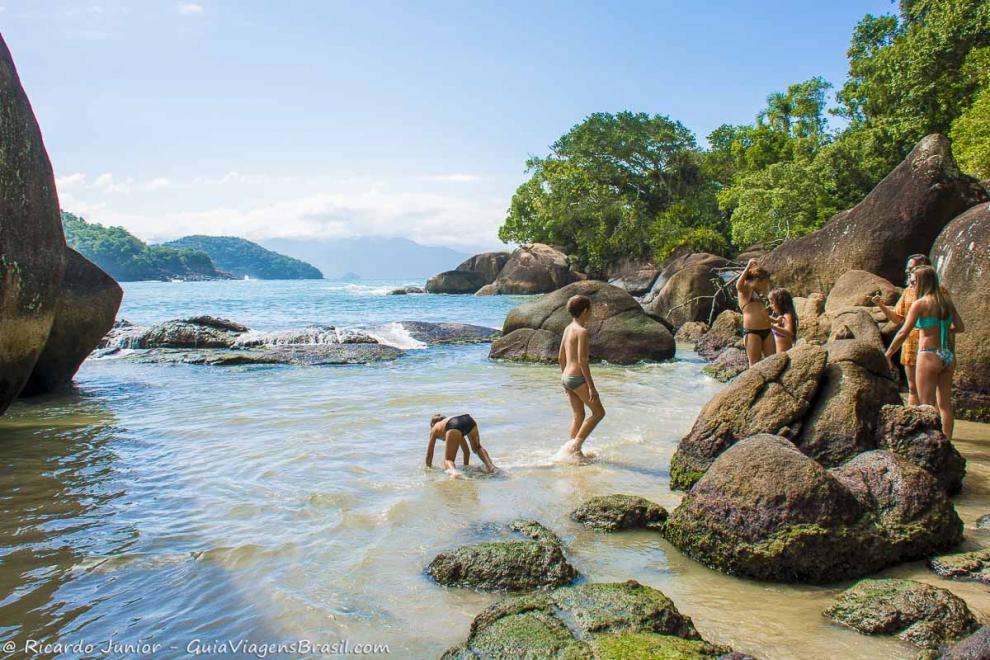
{"x":449,"y":333}
{"x":188,"y":334}
{"x":619,"y":330}
{"x":489,"y":264}
{"x":730,"y":363}
{"x":915,"y":433}
{"x":725,"y":332}
{"x":770,"y":397}
{"x":974,"y":647}
{"x":901,"y":216}
{"x":612,"y":620}
{"x":535,"y":268}
{"x":962,"y":257}
{"x":856,"y":289}
{"x":765,"y":510}
{"x":506,"y":565}
{"x":691,"y":332}
{"x":87,"y":306}
{"x":921,"y":614}
{"x":32,"y":246}
{"x":963,"y":565}
{"x":455,"y":281}
{"x":610,"y":513}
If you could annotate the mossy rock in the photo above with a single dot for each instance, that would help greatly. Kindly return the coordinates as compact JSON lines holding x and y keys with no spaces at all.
{"x":594,"y":621}
{"x":651,"y":646}
{"x":610,"y":513}
{"x":926,"y":616}
{"x":964,"y":565}
{"x":538,"y":562}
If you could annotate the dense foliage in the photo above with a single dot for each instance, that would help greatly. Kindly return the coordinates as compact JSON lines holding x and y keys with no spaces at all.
{"x":243,"y":258}
{"x":128,"y":258}
{"x":629,"y":185}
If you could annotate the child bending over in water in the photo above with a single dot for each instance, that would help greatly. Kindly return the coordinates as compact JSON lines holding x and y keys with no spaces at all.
{"x":456,"y":432}
{"x":576,"y":376}
{"x":756,"y":320}
{"x":785,"y":324}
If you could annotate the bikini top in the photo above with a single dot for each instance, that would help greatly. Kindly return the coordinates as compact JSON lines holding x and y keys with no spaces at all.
{"x":932,"y":322}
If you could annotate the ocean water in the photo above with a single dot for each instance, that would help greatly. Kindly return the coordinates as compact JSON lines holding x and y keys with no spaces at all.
{"x":186,"y":505}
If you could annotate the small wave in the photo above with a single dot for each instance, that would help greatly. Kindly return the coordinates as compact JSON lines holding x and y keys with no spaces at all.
{"x":293,"y":337}
{"x":362,"y":289}
{"x":395,"y":334}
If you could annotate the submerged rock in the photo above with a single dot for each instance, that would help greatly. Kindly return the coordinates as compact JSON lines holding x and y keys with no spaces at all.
{"x":963,"y":565}
{"x":610,"y":513}
{"x":961,"y":255}
{"x":302,"y":354}
{"x":217,"y":323}
{"x":450,"y":333}
{"x":406,"y":290}
{"x":612,"y":620}
{"x":32,"y":246}
{"x":921,"y":614}
{"x":901,"y":216}
{"x":765,"y":510}
{"x":88,"y":301}
{"x":619,"y":330}
{"x":187,"y":334}
{"x":515,"y":565}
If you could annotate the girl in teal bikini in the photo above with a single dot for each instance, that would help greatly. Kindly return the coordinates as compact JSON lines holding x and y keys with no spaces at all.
{"x":937,"y":321}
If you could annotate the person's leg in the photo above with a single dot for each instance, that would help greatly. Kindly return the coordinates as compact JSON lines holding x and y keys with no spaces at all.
{"x":453,"y":440}
{"x":769,"y":345}
{"x":911,"y":370}
{"x":475,"y":439}
{"x":597,"y":414}
{"x":465,"y":452}
{"x":754,"y":348}
{"x":577,"y":407}
{"x":943,"y":394}
{"x":926,"y":374}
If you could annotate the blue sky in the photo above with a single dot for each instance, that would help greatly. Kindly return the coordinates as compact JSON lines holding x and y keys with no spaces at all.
{"x":329,"y":119}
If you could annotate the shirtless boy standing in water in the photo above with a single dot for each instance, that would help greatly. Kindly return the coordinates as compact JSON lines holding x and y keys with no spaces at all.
{"x":576,"y":376}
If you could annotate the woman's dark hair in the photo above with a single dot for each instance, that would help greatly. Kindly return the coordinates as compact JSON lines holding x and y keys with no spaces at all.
{"x":757,"y":273}
{"x":918,"y":260}
{"x":577,"y":304}
{"x":782,"y":298}
{"x":436,"y":419}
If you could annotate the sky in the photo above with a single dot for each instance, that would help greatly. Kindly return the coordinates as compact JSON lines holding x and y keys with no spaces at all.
{"x":322,"y":119}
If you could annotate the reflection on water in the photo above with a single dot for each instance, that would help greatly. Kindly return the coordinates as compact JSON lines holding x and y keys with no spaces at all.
{"x":276,"y":503}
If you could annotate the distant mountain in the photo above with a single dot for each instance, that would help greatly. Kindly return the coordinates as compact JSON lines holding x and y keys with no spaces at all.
{"x":373,"y":257}
{"x":127,"y":258}
{"x":241,"y":257}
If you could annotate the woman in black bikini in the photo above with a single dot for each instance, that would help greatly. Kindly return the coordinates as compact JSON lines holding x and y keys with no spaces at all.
{"x":457,"y":432}
{"x":753,"y":282}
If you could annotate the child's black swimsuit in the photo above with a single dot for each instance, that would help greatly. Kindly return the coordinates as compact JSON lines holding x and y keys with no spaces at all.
{"x":463,"y":423}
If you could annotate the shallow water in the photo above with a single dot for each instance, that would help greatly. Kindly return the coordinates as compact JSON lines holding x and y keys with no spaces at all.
{"x":174,"y":503}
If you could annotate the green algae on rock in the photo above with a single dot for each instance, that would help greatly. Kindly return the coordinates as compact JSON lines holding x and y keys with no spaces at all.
{"x":612,"y":620}
{"x":514,"y":565}
{"x":609,"y":513}
{"x":918,"y":613}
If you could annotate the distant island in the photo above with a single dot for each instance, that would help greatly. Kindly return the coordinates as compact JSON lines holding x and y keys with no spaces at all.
{"x":128,"y":259}
{"x":373,"y":257}
{"x":242,"y":258}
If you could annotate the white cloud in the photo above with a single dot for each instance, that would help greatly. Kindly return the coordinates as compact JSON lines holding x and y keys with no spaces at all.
{"x":108,"y":184}
{"x":70,"y":181}
{"x":158,"y":183}
{"x":190,"y":8}
{"x":454,"y":178}
{"x":237,"y":177}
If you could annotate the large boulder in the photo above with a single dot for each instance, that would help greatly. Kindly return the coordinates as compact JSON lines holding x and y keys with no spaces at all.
{"x":813,"y":325}
{"x":610,"y":513}
{"x":767,"y":511}
{"x":853,"y":323}
{"x":489,"y":264}
{"x":856,"y":288}
{"x":32,"y":246}
{"x":726,"y":331}
{"x":901,"y":216}
{"x":921,"y":614}
{"x":587,"y":621}
{"x":456,"y":281}
{"x":843,"y":420}
{"x":634,"y":275}
{"x":915,"y":433}
{"x":506,"y":565}
{"x":696,"y":292}
{"x":962,"y":258}
{"x":619,"y":330}
{"x":691,"y":332}
{"x":770,"y":397}
{"x":531,"y":269}
{"x":87,"y":305}
{"x":682,"y":258}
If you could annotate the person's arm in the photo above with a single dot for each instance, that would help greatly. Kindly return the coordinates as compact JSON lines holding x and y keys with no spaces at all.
{"x":585,"y":368}
{"x":909,"y":322}
{"x":741,"y":285}
{"x":785,"y":325}
{"x":430,"y":447}
{"x":561,"y":354}
{"x":892,"y":314}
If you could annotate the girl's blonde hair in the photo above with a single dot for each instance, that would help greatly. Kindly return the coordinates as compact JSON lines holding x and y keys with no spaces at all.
{"x":926,"y":281}
{"x":436,"y":419}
